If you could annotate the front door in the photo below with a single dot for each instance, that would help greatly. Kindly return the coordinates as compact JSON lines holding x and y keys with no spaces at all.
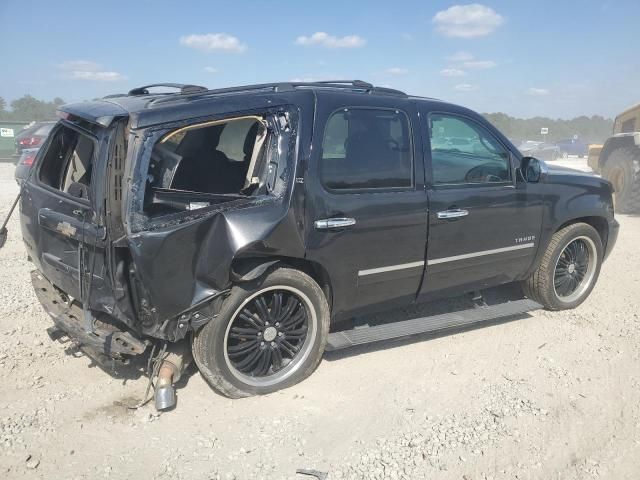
{"x":366,"y":208}
{"x":483,"y":224}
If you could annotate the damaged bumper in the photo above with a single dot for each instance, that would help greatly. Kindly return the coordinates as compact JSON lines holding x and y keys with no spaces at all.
{"x":67,"y":315}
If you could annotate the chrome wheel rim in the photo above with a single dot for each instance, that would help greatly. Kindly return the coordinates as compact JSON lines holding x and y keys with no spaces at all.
{"x":575,"y":269}
{"x":270,"y":336}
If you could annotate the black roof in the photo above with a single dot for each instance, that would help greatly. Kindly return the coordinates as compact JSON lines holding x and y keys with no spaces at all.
{"x":147,"y":108}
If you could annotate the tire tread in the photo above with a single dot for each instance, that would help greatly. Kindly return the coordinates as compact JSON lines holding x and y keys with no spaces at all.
{"x":631,"y":202}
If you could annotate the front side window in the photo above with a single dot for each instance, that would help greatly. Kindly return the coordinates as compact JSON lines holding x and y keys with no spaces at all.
{"x":464,"y":152}
{"x":67,"y":163}
{"x":367,"y":148}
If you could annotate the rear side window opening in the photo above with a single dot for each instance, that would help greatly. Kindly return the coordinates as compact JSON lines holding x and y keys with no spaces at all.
{"x":208,"y":163}
{"x":68,"y":163}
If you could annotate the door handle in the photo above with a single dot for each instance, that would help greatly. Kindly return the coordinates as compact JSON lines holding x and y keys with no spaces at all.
{"x":453,"y":213}
{"x":334,"y":223}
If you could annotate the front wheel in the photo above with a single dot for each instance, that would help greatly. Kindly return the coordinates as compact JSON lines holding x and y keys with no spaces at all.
{"x":568,"y":270}
{"x":269,"y":334}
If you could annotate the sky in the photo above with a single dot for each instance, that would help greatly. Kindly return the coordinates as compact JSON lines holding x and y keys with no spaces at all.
{"x":560,"y":58}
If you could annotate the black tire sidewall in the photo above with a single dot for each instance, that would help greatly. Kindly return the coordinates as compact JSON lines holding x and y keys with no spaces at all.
{"x":567,"y":236}
{"x":212,"y":335}
{"x":623,"y":159}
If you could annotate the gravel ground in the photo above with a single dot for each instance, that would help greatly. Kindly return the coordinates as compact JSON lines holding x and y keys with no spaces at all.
{"x":554,"y":395}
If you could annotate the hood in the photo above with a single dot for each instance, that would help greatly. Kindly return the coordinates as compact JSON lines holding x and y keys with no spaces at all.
{"x":562,"y":170}
{"x":560,"y":175}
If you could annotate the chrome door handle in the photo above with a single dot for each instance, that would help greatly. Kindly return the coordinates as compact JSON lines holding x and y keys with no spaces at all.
{"x":334,"y":223}
{"x":454,"y":213}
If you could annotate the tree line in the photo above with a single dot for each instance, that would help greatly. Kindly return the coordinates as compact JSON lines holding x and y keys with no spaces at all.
{"x":29,"y":109}
{"x":594,"y":129}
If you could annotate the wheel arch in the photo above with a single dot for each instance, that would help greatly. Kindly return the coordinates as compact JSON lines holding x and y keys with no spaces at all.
{"x":247,"y":268}
{"x":600,"y":224}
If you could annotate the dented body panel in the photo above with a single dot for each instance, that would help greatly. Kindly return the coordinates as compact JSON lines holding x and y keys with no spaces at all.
{"x":164,"y":275}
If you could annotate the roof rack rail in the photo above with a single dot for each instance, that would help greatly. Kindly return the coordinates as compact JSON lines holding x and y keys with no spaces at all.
{"x":184,"y":89}
{"x":195,"y":91}
{"x":355,"y":83}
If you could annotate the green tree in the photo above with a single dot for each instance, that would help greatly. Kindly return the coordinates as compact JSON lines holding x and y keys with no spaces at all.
{"x":28,"y":109}
{"x":593,"y":129}
{"x":3,"y":104}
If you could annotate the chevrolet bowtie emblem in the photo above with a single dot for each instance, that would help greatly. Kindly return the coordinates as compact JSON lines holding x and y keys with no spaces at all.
{"x":66,"y":229}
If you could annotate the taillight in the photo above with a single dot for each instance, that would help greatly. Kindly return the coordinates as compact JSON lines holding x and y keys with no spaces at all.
{"x":28,"y":159}
{"x":30,"y":141}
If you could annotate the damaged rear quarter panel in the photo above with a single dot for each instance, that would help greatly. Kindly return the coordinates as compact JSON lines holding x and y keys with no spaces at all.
{"x":181,"y":260}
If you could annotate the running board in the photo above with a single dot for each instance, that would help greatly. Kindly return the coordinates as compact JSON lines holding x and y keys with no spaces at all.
{"x":363,"y":335}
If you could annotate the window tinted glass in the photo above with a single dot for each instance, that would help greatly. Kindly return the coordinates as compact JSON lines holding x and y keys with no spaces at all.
{"x":366,"y":148}
{"x":463,"y":151}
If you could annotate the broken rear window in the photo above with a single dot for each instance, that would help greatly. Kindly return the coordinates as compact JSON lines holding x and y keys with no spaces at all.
{"x":68,"y":162}
{"x":211,"y":162}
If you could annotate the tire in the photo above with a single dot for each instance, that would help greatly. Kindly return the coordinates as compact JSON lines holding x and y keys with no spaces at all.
{"x":218,"y":348}
{"x":542,"y":285}
{"x":622,"y":169}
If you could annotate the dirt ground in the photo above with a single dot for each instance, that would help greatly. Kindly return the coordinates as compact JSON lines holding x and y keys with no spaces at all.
{"x":553,"y":395}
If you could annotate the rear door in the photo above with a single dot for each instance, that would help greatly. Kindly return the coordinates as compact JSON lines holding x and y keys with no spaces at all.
{"x":58,"y":213}
{"x":366,"y":207}
{"x":484,"y":226}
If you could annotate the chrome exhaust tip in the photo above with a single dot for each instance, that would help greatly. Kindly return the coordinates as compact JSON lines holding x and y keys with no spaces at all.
{"x":165,"y":393}
{"x":165,"y":397}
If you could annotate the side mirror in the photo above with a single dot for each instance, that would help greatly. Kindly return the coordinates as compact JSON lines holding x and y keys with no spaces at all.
{"x":531,"y":169}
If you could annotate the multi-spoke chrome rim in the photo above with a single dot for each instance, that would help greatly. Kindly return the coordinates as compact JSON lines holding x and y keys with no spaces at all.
{"x":270,"y":335}
{"x":575,"y":269}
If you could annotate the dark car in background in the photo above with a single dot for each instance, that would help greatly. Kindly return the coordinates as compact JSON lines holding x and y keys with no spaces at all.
{"x":24,"y":164}
{"x":541,"y":150}
{"x":573,"y":146}
{"x":33,"y":136}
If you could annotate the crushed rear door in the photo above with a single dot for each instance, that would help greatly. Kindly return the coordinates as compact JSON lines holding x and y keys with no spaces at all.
{"x":62,"y":210}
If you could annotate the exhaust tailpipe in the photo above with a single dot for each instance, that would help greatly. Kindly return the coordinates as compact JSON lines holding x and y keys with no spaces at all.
{"x":170,"y":371}
{"x":165,"y":394}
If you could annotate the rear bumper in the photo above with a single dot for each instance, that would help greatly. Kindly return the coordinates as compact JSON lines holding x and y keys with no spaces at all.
{"x":68,"y":316}
{"x":614,"y":228}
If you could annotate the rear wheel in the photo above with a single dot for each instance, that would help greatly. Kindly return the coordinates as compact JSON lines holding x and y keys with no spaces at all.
{"x":621,"y":169}
{"x":269,"y":334}
{"x":568,"y":270}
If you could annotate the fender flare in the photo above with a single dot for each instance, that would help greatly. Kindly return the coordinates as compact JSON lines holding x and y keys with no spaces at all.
{"x":251,"y":269}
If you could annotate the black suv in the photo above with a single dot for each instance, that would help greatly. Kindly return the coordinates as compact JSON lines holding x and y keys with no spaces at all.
{"x":248,"y":222}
